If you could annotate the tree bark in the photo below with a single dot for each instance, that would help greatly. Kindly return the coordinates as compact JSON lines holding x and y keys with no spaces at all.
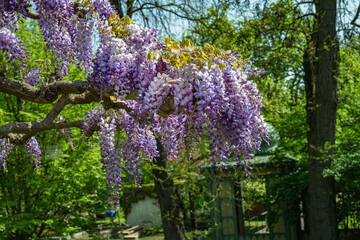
{"x":320,"y":66}
{"x":171,"y":216}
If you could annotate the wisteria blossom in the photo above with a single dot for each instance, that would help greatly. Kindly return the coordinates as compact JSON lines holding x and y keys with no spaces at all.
{"x":5,"y":150}
{"x":8,"y":16}
{"x":33,"y":77}
{"x":14,"y":48}
{"x":174,"y":92}
{"x":33,"y":149}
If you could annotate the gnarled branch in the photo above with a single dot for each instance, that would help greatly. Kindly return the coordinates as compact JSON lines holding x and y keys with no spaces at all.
{"x":32,"y":128}
{"x":45,"y":94}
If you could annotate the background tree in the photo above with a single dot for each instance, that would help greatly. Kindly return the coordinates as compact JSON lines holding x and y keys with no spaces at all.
{"x":165,"y":14}
{"x":151,"y":91}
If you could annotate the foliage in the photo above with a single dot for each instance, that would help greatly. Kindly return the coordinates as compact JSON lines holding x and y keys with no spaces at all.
{"x":253,"y":191}
{"x":67,"y":192}
{"x":63,"y":197}
{"x":131,"y":194}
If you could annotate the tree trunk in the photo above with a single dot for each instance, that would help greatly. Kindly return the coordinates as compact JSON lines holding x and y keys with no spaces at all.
{"x":171,"y":216}
{"x":320,"y":66}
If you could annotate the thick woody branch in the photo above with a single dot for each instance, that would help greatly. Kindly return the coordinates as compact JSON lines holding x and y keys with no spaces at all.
{"x":43,"y":95}
{"x":29,"y":14}
{"x":57,"y":108}
{"x":19,"y":132}
{"x":32,"y":15}
{"x":84,"y":98}
{"x":35,"y":16}
{"x":32,"y":128}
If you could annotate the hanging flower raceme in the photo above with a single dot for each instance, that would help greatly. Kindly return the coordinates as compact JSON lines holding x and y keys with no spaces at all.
{"x":8,"y":16}
{"x":33,"y":77}
{"x":5,"y":150}
{"x":33,"y":149}
{"x":68,"y":28}
{"x":120,"y":63}
{"x":84,"y":32}
{"x":56,"y":22}
{"x":12,"y":47}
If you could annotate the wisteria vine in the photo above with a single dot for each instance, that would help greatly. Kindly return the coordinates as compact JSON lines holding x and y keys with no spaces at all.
{"x":175,"y":91}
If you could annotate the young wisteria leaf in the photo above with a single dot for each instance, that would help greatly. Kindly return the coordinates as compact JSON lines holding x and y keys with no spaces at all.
{"x":186,"y":51}
{"x":235,"y":64}
{"x":127,"y":20}
{"x":150,"y":56}
{"x":167,"y":55}
{"x":217,"y":53}
{"x":222,"y":65}
{"x":188,"y":43}
{"x":205,"y":56}
{"x":208,"y":48}
{"x":174,"y":47}
{"x":183,"y":44}
{"x":184,"y":58}
{"x":200,"y":64}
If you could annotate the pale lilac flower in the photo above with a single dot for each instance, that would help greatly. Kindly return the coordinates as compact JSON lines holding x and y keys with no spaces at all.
{"x":12,"y":47}
{"x":5,"y":150}
{"x":33,"y":77}
{"x":33,"y":149}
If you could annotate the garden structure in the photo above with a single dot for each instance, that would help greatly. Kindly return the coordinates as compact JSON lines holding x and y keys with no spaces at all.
{"x":234,"y":216}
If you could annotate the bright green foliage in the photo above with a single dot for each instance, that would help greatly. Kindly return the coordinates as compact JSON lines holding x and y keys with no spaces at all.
{"x":69,"y":191}
{"x":63,"y":197}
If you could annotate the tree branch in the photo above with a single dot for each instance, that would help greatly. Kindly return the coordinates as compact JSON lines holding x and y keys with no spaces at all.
{"x":32,"y":128}
{"x":16,"y":132}
{"x":353,"y":22}
{"x":45,"y":94}
{"x":57,"y":108}
{"x":20,"y":132}
{"x":29,"y":14}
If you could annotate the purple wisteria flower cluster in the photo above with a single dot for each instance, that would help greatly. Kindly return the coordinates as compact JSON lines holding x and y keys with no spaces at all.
{"x":33,"y":77}
{"x":33,"y":149}
{"x":31,"y":146}
{"x":14,"y":48}
{"x":5,"y":150}
{"x":134,"y":144}
{"x":84,"y":31}
{"x":216,"y":95}
{"x":55,"y":21}
{"x":121,"y":64}
{"x":223,"y":98}
{"x":68,"y":29}
{"x":8,"y":15}
{"x":231,"y":104}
